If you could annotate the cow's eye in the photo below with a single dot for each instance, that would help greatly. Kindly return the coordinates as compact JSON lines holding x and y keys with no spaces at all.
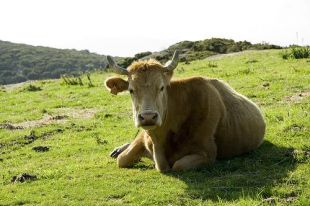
{"x":131,"y":91}
{"x":162,"y":88}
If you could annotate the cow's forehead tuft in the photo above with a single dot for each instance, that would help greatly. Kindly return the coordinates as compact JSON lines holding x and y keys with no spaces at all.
{"x":147,"y":79}
{"x":145,"y":65}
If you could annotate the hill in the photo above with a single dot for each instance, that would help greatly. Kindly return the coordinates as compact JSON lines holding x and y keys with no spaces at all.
{"x":21,"y":62}
{"x":55,"y":141}
{"x":194,"y":50}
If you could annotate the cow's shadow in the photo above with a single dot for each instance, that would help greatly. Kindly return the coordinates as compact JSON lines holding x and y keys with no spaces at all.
{"x":252,"y":175}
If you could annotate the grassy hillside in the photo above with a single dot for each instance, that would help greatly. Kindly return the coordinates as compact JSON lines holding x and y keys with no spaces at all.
{"x":21,"y":62}
{"x":61,"y":135}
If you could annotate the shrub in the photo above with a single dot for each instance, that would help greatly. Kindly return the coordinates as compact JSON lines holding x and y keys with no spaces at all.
{"x":285,"y":54}
{"x":90,"y":83}
{"x":212,"y":64}
{"x":32,"y":88}
{"x":142,"y":54}
{"x":250,"y":61}
{"x":127,"y":61}
{"x":296,"y":52}
{"x":300,"y":52}
{"x":72,"y":80}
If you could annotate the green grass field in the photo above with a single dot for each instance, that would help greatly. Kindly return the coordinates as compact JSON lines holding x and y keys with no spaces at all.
{"x":80,"y":126}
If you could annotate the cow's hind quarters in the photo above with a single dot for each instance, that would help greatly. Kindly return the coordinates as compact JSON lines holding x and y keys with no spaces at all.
{"x":117,"y":151}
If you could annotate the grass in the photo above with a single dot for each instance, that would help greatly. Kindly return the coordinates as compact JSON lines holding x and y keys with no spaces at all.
{"x":76,"y":168}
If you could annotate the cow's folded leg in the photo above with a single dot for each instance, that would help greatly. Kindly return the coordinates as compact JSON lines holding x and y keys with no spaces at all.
{"x":190,"y":162}
{"x":117,"y":151}
{"x":132,"y":153}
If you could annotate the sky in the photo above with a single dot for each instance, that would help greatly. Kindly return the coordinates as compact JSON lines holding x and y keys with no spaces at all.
{"x":124,"y":28}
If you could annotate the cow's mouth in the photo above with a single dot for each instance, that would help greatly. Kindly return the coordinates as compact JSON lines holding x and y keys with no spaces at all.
{"x":148,"y":127}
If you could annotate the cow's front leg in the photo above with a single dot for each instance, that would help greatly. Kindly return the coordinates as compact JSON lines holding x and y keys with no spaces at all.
{"x":117,"y":151}
{"x":161,"y":162}
{"x":132,"y":153}
{"x":190,"y":162}
{"x":206,"y":156}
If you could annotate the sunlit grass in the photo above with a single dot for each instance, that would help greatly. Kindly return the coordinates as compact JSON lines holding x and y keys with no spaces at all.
{"x":77,"y":169}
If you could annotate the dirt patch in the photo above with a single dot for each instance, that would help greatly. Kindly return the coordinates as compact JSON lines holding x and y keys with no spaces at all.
{"x":77,"y":113}
{"x":41,"y":149}
{"x":30,"y":138}
{"x":61,"y":116}
{"x":270,"y":200}
{"x":47,"y":119}
{"x":297,"y":97}
{"x":293,"y":128}
{"x":9,"y":126}
{"x":26,"y":140}
{"x":23,"y":177}
{"x":10,"y":87}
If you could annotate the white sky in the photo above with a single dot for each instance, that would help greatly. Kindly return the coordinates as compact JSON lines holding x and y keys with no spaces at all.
{"x":126,"y":27}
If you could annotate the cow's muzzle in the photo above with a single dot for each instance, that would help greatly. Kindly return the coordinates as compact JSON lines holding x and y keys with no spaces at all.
{"x":148,"y":118}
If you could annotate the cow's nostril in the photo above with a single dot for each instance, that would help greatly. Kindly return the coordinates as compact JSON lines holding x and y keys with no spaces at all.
{"x":140,"y":117}
{"x":155,"y":116}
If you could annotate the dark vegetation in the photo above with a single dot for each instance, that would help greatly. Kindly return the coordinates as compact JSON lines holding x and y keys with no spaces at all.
{"x":296,"y":52}
{"x":72,"y":80}
{"x":23,"y":178}
{"x":194,"y":50}
{"x":21,"y":62}
{"x":32,"y":88}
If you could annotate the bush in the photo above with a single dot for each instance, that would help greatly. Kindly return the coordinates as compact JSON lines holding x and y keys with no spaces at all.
{"x":142,"y":54}
{"x":212,"y":64}
{"x":72,"y":80}
{"x":285,"y":54}
{"x":300,"y":52}
{"x":127,"y":61}
{"x":32,"y":88}
{"x":296,"y":53}
{"x":90,"y":83}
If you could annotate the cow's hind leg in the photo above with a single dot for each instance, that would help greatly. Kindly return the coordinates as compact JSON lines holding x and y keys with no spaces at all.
{"x":132,"y":153}
{"x":190,"y":162}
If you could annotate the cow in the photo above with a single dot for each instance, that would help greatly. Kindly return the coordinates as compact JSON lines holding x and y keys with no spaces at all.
{"x":186,"y":123}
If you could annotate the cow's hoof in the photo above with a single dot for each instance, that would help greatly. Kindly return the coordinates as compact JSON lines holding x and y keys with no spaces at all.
{"x":117,"y":151}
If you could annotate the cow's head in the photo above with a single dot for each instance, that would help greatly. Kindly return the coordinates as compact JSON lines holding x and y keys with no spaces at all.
{"x":147,"y":83}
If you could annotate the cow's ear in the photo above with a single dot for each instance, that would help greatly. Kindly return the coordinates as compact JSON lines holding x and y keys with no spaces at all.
{"x":116,"y":85}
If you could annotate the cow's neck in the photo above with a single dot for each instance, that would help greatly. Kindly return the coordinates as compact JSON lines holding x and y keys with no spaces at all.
{"x":178,"y":109}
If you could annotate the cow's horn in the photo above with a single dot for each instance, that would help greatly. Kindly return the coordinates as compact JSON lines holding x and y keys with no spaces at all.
{"x":172,"y":64}
{"x":117,"y":69}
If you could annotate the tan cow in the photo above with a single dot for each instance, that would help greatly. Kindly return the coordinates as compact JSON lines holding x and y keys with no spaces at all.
{"x":186,"y":123}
